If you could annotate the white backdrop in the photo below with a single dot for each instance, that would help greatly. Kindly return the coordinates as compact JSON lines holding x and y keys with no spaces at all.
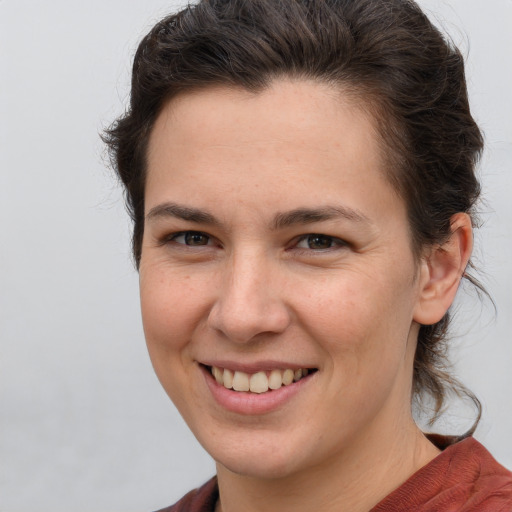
{"x":84,"y":425}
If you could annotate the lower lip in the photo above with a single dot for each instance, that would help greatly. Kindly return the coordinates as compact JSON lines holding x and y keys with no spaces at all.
{"x":247,"y":403}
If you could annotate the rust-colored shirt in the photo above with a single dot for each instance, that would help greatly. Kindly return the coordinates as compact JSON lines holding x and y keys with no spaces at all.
{"x":463,"y":478}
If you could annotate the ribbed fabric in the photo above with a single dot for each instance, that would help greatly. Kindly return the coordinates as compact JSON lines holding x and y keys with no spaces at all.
{"x":463,"y":478}
{"x":198,"y":500}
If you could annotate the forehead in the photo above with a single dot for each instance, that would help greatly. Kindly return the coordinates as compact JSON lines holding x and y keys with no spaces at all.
{"x":286,"y":105}
{"x":303,"y":137}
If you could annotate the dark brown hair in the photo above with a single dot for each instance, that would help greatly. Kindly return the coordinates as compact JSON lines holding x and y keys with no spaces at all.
{"x":386,"y":52}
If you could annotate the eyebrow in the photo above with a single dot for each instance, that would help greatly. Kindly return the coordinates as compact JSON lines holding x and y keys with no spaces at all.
{"x":182,"y":212}
{"x":280,"y":221}
{"x":311,"y":215}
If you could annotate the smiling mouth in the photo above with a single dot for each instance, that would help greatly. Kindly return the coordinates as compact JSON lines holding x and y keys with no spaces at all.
{"x":259,"y":382}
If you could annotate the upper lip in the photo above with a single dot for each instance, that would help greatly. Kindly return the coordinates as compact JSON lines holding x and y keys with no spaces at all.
{"x":254,"y":367}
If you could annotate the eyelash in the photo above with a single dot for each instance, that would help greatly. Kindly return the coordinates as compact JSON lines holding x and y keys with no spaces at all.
{"x":185,"y":234}
{"x":332,"y":242}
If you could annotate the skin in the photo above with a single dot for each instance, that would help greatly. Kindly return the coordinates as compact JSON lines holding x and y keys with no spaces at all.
{"x":247,"y":288}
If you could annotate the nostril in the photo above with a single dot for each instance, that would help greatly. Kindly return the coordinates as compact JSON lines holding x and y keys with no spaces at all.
{"x":247,"y":304}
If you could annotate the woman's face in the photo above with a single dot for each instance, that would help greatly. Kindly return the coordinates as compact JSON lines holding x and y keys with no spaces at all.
{"x":274,"y":242}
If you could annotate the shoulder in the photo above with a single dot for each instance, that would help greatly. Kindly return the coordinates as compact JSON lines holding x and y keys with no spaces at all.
{"x":202,"y":499}
{"x":488,"y":484}
{"x":464,"y":475}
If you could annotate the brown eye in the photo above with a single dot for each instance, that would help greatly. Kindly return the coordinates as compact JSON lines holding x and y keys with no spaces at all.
{"x":192,"y":238}
{"x":196,"y":239}
{"x":319,"y":242}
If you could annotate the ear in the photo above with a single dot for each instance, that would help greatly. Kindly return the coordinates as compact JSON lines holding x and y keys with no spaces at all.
{"x":441,"y":270}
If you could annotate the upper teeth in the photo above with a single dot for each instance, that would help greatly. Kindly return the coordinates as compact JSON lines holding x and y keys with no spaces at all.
{"x":258,"y":382}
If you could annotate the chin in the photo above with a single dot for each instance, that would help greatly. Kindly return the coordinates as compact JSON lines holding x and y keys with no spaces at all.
{"x":261,"y":460}
{"x":260,"y":469}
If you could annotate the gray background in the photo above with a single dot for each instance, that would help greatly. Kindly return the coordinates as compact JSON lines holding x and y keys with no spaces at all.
{"x":84,"y":425}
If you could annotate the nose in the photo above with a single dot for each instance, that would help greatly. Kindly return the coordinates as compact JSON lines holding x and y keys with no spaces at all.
{"x":249,"y":302}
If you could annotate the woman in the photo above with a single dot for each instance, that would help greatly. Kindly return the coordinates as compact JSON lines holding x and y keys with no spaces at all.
{"x":301,"y":179}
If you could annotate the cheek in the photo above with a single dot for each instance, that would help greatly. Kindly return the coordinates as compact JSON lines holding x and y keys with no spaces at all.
{"x":361,"y":323}
{"x":172,"y":307}
{"x":363,"y":330}
{"x":171,"y":312}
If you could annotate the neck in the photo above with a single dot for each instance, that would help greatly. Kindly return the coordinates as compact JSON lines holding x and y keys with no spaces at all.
{"x":355,"y":480}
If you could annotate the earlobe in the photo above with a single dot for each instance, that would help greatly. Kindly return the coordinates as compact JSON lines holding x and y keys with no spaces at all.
{"x":441,"y":271}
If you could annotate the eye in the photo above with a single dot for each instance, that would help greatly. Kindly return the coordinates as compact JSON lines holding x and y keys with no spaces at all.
{"x":318,"y":242}
{"x":191,"y":238}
